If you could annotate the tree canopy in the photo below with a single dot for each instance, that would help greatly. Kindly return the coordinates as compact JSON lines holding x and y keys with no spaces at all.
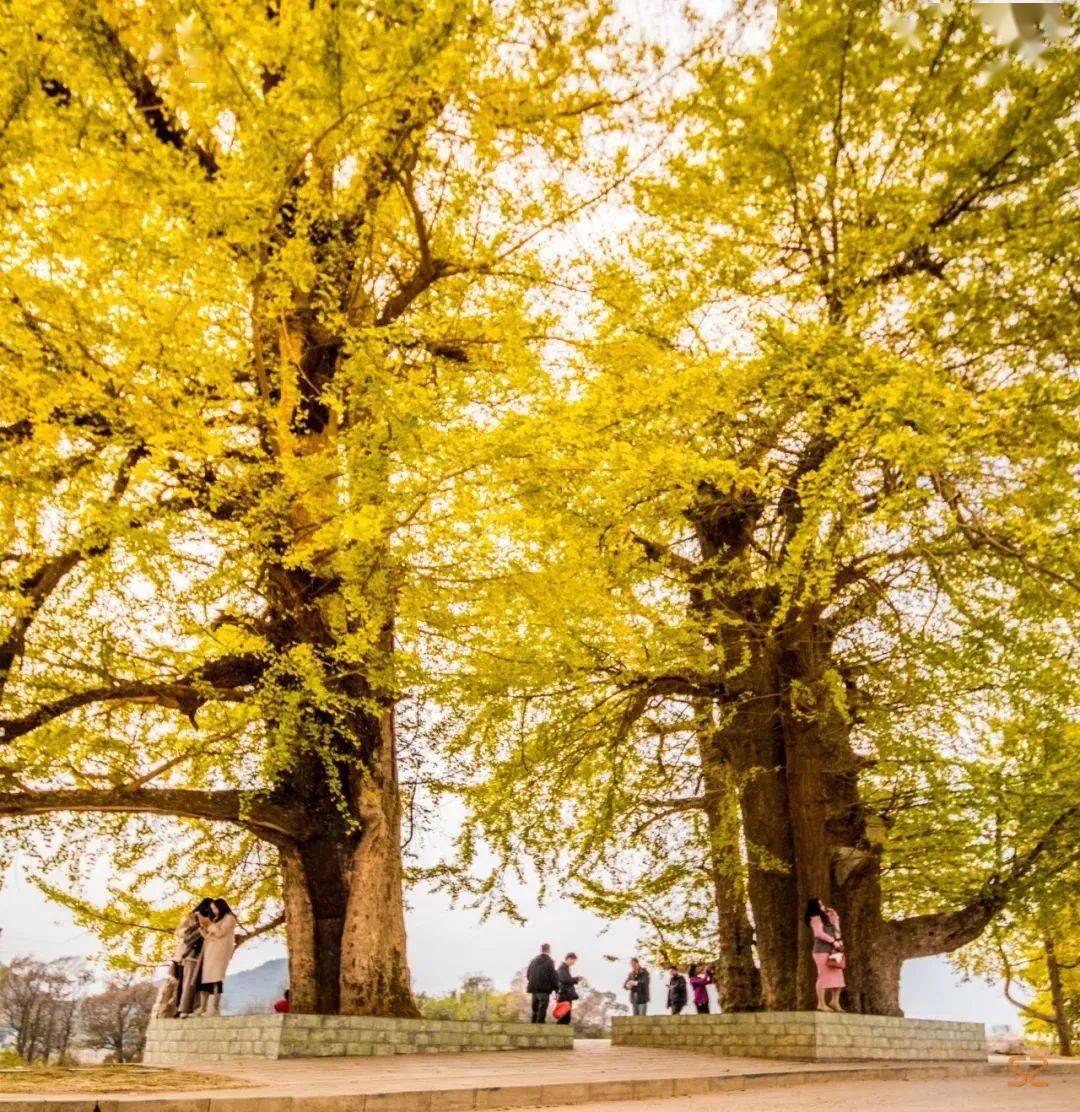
{"x":802,"y":534}
{"x":683,"y":444}
{"x":269,"y":267}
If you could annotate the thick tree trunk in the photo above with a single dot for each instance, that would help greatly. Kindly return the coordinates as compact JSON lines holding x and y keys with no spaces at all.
{"x":751,"y":742}
{"x":807,"y":804}
{"x":808,"y":834}
{"x":374,"y":970}
{"x":771,"y":882}
{"x":347,"y":903}
{"x":315,"y":889}
{"x":874,"y":955}
{"x":304,"y":980}
{"x":326,"y":868}
{"x":738,"y":979}
{"x":837,"y":843}
{"x":815,"y":740}
{"x":342,"y":880}
{"x":749,"y":737}
{"x":345,"y":924}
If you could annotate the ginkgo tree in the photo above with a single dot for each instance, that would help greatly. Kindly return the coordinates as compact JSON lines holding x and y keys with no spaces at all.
{"x":264,"y":273}
{"x":800,"y":534}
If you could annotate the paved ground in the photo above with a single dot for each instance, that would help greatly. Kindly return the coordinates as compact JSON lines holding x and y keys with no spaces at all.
{"x":591,"y":1061}
{"x":991,"y":1093}
{"x":608,"y":1077}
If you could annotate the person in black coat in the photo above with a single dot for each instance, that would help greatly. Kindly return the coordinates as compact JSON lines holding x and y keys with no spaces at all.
{"x":541,"y":981}
{"x":638,"y":984}
{"x":567,"y":992}
{"x":676,"y":991}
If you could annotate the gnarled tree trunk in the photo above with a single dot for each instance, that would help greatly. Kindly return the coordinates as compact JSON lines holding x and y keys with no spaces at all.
{"x":342,"y":878}
{"x":315,"y":890}
{"x":344,"y":902}
{"x":738,"y":979}
{"x":806,"y":829}
{"x":374,"y":970}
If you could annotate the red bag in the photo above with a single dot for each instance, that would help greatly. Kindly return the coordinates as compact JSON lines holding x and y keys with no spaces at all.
{"x":561,"y":1009}
{"x":836,"y":959}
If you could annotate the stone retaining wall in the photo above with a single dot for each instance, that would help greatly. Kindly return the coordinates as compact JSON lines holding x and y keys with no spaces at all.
{"x":179,"y":1042}
{"x":814,"y":1035}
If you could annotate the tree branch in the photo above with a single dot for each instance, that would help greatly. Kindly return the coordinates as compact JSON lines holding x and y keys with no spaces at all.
{"x":979,"y":536}
{"x":662,"y":553}
{"x":37,"y":587}
{"x":213,"y":680}
{"x":939,"y":932}
{"x":264,"y":928}
{"x":917,"y":259}
{"x":162,"y":122}
{"x":1027,"y":1009}
{"x":269,"y":821}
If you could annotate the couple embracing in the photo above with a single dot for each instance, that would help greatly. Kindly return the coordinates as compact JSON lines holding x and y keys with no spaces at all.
{"x":203,"y":945}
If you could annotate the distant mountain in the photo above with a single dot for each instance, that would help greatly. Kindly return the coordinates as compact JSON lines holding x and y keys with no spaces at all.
{"x":255,"y":990}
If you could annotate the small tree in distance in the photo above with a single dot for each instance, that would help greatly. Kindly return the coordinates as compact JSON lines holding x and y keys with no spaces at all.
{"x":40,"y":1001}
{"x":478,"y":999}
{"x":593,"y":1012}
{"x":116,"y":1019}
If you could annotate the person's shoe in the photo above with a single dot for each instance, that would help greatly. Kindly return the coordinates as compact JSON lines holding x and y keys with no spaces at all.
{"x":214,"y":1005}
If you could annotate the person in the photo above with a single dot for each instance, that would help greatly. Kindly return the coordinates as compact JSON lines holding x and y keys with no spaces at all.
{"x":218,"y":930}
{"x":541,"y":980}
{"x":567,"y":992}
{"x":824,"y":924}
{"x":676,"y":991}
{"x":700,"y":982}
{"x":191,"y":1000}
{"x":638,"y":984}
{"x":283,"y":1005}
{"x":177,"y":994}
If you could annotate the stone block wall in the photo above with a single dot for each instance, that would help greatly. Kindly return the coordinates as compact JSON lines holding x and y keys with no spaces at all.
{"x":180,"y":1042}
{"x":311,"y":1036}
{"x":819,"y":1036}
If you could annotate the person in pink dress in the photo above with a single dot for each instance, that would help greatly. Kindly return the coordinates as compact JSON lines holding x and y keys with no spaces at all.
{"x":824,"y":924}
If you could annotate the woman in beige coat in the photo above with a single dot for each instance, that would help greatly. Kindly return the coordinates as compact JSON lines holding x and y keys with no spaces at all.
{"x":219,"y":941}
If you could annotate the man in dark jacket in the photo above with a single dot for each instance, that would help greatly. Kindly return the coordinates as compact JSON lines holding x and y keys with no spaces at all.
{"x":541,"y":981}
{"x":638,"y":984}
{"x":676,"y":991}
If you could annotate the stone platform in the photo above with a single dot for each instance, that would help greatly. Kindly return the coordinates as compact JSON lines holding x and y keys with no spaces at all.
{"x":201,"y":1039}
{"x":813,"y":1036}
